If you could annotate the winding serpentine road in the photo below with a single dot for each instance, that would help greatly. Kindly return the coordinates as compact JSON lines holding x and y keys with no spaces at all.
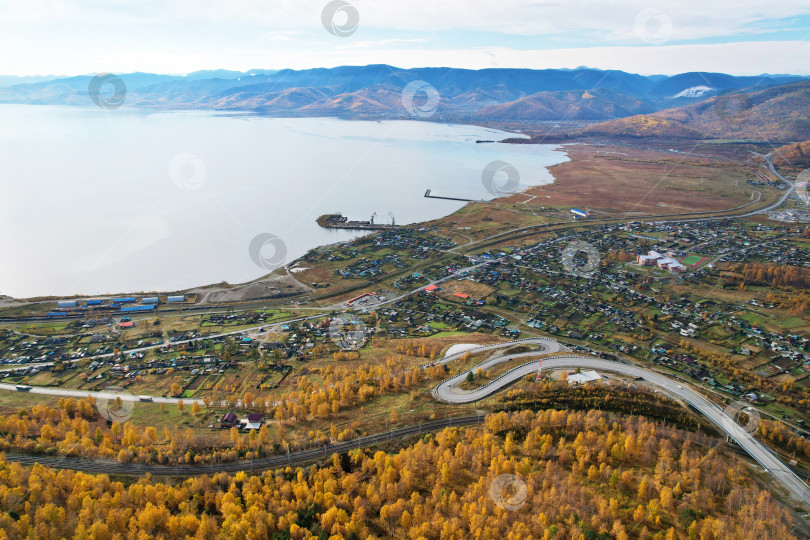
{"x":448,"y":391}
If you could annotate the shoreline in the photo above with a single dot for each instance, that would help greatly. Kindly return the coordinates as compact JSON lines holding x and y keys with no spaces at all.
{"x":197,"y":289}
{"x":415,"y":157}
{"x":8,"y":301}
{"x":563,"y":191}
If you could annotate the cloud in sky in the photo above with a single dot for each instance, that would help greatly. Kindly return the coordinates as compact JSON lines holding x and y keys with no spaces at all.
{"x":176,"y":36}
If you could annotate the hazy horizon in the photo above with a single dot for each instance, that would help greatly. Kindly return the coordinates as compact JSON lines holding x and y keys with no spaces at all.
{"x":658,"y":37}
{"x":266,"y":69}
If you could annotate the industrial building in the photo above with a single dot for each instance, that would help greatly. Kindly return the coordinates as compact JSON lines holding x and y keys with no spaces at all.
{"x":130,"y":309}
{"x":584,"y":377}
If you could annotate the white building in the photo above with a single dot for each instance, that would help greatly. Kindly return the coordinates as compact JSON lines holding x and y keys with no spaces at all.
{"x":649,"y":259}
{"x":584,"y":377}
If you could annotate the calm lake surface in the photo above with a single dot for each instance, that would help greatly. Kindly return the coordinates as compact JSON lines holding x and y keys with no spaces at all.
{"x":96,"y":201}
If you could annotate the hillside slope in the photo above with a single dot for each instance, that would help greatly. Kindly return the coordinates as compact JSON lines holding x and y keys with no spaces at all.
{"x":779,"y":113}
{"x":793,"y":155}
{"x":558,"y":474}
{"x":597,"y":104}
{"x":642,"y":125}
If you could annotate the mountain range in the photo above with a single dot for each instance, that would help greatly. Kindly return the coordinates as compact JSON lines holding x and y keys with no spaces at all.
{"x":341,"y":88}
{"x":657,"y":105}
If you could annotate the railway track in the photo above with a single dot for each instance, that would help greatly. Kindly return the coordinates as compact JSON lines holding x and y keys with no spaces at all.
{"x":99,"y":466}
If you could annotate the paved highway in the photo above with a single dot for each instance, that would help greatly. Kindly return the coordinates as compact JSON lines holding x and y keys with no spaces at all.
{"x":449,"y":392}
{"x":791,"y":187}
{"x":545,"y":346}
{"x":109,"y":395}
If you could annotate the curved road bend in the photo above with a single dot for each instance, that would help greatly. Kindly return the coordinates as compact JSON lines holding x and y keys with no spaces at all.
{"x":113,"y":467}
{"x":448,"y":392}
{"x":546,"y":346}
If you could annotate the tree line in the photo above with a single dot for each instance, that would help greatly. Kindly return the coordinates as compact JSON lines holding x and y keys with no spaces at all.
{"x":586,"y":475}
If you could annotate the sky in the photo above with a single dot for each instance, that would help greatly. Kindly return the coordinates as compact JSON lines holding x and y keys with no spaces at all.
{"x":70,"y":37}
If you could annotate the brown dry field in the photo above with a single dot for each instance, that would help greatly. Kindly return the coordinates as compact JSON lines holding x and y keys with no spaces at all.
{"x":715,"y":293}
{"x":316,"y":273}
{"x":487,"y":220}
{"x":476,"y":290}
{"x":388,"y":346}
{"x":621,"y":179}
{"x":747,"y":362}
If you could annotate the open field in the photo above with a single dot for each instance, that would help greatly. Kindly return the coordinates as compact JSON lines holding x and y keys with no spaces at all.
{"x":612,"y":179}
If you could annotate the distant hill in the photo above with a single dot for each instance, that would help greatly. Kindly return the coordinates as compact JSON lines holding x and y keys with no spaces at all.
{"x":710,"y":84}
{"x":644,"y":126}
{"x":598,"y":104}
{"x":778,"y":113}
{"x":793,"y":155}
{"x":12,"y":80}
{"x":584,"y":94}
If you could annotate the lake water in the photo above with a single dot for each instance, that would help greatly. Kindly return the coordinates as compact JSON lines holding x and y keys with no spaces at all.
{"x":96,"y":201}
